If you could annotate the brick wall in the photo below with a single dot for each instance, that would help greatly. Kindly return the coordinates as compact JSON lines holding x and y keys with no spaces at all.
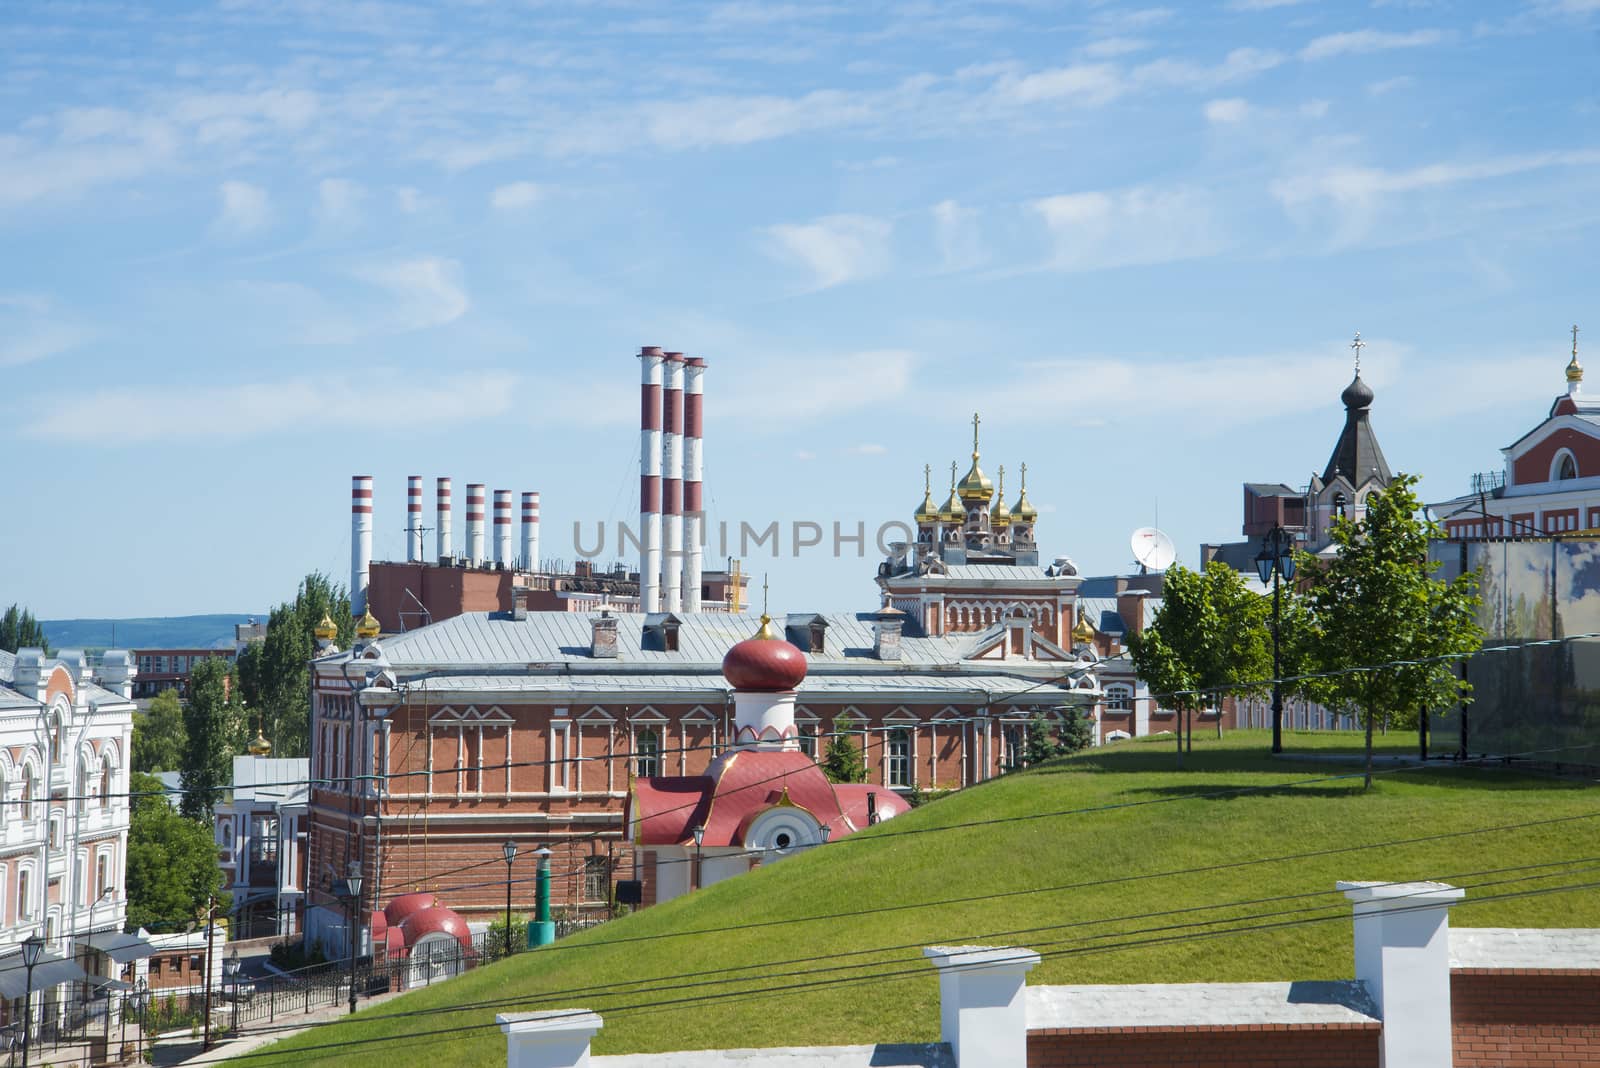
{"x":1252,"y":1046}
{"x":1516,"y":1018}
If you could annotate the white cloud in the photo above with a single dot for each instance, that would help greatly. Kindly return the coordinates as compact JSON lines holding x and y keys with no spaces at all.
{"x":515,"y":196}
{"x":245,"y":209}
{"x":401,"y":296}
{"x":1389,"y":85}
{"x":1086,"y":83}
{"x":1262,"y":5}
{"x":1096,"y":230}
{"x":804,"y":455}
{"x":32,"y":330}
{"x":956,"y":230}
{"x":1355,"y":184}
{"x":194,"y":412}
{"x":428,"y":290}
{"x":1112,"y":47}
{"x":408,"y":199}
{"x":1237,"y":65}
{"x":1232,"y":109}
{"x":339,"y":201}
{"x":1314,"y":109}
{"x":867,"y":449}
{"x":1357,"y":42}
{"x":835,"y":249}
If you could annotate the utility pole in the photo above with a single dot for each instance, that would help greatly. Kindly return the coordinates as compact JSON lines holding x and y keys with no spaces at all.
{"x":211,"y":926}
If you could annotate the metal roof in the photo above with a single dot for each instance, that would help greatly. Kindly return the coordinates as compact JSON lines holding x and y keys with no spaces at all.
{"x":713,"y":687}
{"x":8,"y":666}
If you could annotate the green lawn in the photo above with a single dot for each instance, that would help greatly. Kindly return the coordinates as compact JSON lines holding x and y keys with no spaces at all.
{"x":621,"y":965}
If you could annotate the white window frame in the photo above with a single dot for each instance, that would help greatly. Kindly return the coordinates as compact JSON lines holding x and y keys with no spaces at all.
{"x":560,"y":753}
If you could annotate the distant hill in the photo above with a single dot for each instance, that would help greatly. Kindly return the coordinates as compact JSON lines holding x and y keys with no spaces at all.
{"x":162,"y":632}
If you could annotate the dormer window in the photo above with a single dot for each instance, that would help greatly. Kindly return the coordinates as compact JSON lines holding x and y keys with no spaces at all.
{"x":1568,"y":468}
{"x":661,"y":632}
{"x":807,"y":632}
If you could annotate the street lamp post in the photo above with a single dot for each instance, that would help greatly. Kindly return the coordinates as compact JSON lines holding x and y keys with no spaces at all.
{"x":352,"y":887}
{"x":509,"y":849}
{"x":32,"y":948}
{"x":141,"y":1000}
{"x":699,"y":840}
{"x":230,"y":970}
{"x":1276,"y":561}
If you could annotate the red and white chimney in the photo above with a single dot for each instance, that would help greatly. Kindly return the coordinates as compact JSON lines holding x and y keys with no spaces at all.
{"x":650,"y":361}
{"x":530,"y":531}
{"x":694,"y":517}
{"x":360,"y":541}
{"x":475,"y":524}
{"x":502,"y":528}
{"x":443,"y":521}
{"x":672,"y":485}
{"x":413,"y":519}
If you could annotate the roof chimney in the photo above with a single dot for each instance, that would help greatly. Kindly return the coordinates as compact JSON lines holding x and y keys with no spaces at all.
{"x":475,"y":524}
{"x":502,"y":529}
{"x":603,"y":642}
{"x":672,"y":484}
{"x":443,"y":521}
{"x":694,"y":369}
{"x":887,"y":628}
{"x":650,"y":361}
{"x":413,"y":519}
{"x":530,"y":531}
{"x":360,"y":541}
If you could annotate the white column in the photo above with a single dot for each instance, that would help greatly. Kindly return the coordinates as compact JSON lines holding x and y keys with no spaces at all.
{"x":475,"y":524}
{"x":983,"y":1006}
{"x":502,"y":528}
{"x":1402,"y":949}
{"x":360,"y":541}
{"x":530,"y":531}
{"x":650,"y":360}
{"x":413,"y":518}
{"x":554,"y":1039}
{"x":693,"y":475}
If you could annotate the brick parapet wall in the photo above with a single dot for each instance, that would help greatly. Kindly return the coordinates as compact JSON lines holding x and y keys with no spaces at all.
{"x":1525,"y":1017}
{"x":1254,"y":1045}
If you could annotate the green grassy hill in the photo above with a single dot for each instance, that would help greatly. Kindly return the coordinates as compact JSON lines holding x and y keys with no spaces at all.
{"x":1113,"y":860}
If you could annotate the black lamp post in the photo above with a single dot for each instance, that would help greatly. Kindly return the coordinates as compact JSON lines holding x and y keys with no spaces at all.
{"x":509,"y":849}
{"x":1275,"y":561}
{"x":32,"y":949}
{"x":352,"y":888}
{"x":230,"y":972}
{"x":699,"y":840}
{"x":141,"y":1001}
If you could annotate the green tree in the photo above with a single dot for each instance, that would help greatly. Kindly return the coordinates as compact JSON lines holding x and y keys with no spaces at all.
{"x":1077,"y":731}
{"x":172,"y":861}
{"x":1375,"y":609}
{"x":209,"y":728}
{"x":1209,"y":638}
{"x":842,"y":762}
{"x":159,"y":737}
{"x":19,"y":630}
{"x":1038,"y":746}
{"x":274,"y":674}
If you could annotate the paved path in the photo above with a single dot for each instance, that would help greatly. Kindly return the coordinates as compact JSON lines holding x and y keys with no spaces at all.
{"x":189,"y":1052}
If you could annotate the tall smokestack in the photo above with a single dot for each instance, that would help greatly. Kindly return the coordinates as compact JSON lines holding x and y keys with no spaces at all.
{"x":530,"y":531}
{"x":672,"y":484}
{"x":413,"y":519}
{"x":502,"y":528}
{"x":693,"y":508}
{"x":443,"y":521}
{"x":360,"y":541}
{"x":475,"y":524}
{"x":650,"y":360}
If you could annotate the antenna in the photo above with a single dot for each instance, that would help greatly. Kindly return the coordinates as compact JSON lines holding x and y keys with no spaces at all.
{"x":1152,"y":549}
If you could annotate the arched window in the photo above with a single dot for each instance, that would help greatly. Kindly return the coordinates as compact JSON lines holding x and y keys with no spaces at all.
{"x":27,"y":792}
{"x":1568,"y":468}
{"x":58,"y":737}
{"x":106,"y":772}
{"x":647,"y":753}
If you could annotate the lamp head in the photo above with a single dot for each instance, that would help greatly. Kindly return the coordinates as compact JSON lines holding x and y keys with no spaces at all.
{"x":1286,"y":564}
{"x":32,"y":949}
{"x":509,"y":850}
{"x":1264,"y":562}
{"x":699,"y":836}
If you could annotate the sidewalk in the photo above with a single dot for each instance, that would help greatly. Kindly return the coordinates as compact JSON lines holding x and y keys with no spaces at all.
{"x":188,"y":1052}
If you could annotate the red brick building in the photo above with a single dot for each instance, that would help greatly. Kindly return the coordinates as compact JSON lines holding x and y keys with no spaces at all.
{"x":168,"y":669}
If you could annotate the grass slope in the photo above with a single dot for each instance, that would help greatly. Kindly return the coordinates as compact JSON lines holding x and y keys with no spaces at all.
{"x":1181,"y":832}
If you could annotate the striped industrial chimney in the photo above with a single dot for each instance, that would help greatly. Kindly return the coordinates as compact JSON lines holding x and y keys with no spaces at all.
{"x":443,"y":521}
{"x":413,"y":519}
{"x":693,"y":507}
{"x":530,"y":531}
{"x":502,"y":528}
{"x":475,"y":524}
{"x":672,"y":485}
{"x":650,"y":360}
{"x":360,"y":541}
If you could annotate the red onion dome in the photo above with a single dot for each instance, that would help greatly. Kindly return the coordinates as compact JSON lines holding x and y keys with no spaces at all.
{"x":435,"y":920}
{"x":765,"y":663}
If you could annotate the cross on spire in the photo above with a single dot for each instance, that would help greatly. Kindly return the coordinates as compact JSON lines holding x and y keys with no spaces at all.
{"x":763,"y":593}
{"x":1358,"y":345}
{"x":975,"y":421}
{"x":927,"y":478}
{"x":1024,"y":478}
{"x":1574,"y":341}
{"x":952,"y":474}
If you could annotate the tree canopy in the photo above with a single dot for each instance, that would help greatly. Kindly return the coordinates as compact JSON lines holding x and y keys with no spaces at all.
{"x":159,"y":736}
{"x":210,"y":729}
{"x":19,"y":630}
{"x":841,"y":761}
{"x":274,"y":675}
{"x":172,"y":861}
{"x":1208,"y":638}
{"x":1374,"y":609}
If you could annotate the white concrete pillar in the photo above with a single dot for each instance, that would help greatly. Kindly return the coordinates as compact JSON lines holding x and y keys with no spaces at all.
{"x":443,"y":519}
{"x":553,"y":1039}
{"x":413,"y":519}
{"x":693,"y":474}
{"x":360,"y":541}
{"x":672,"y":485}
{"x":475,"y":557}
{"x":530,"y":531}
{"x":1402,"y":944}
{"x":650,"y":360}
{"x":502,"y":528}
{"x":983,"y":1008}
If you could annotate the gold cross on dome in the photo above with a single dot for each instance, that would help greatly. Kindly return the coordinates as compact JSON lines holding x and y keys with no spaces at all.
{"x":1024,"y":478}
{"x":952,"y":474}
{"x":927,"y":478}
{"x":1358,"y":345}
{"x":763,"y":593}
{"x":1574,"y":341}
{"x":975,"y":421}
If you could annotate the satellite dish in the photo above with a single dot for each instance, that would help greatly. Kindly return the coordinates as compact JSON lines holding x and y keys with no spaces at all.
{"x":1153,"y":549}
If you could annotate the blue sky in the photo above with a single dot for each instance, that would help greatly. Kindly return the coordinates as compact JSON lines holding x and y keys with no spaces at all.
{"x":253,"y":248}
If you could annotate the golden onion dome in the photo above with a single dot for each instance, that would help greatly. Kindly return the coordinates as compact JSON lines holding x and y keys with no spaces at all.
{"x":325,"y":630}
{"x":1023,"y":511}
{"x":1574,"y":368}
{"x":1000,"y":516}
{"x":1083,"y":632}
{"x":367,"y":627}
{"x":927,"y":511}
{"x":260,"y":746}
{"x":976,"y":486}
{"x":953,"y":511}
